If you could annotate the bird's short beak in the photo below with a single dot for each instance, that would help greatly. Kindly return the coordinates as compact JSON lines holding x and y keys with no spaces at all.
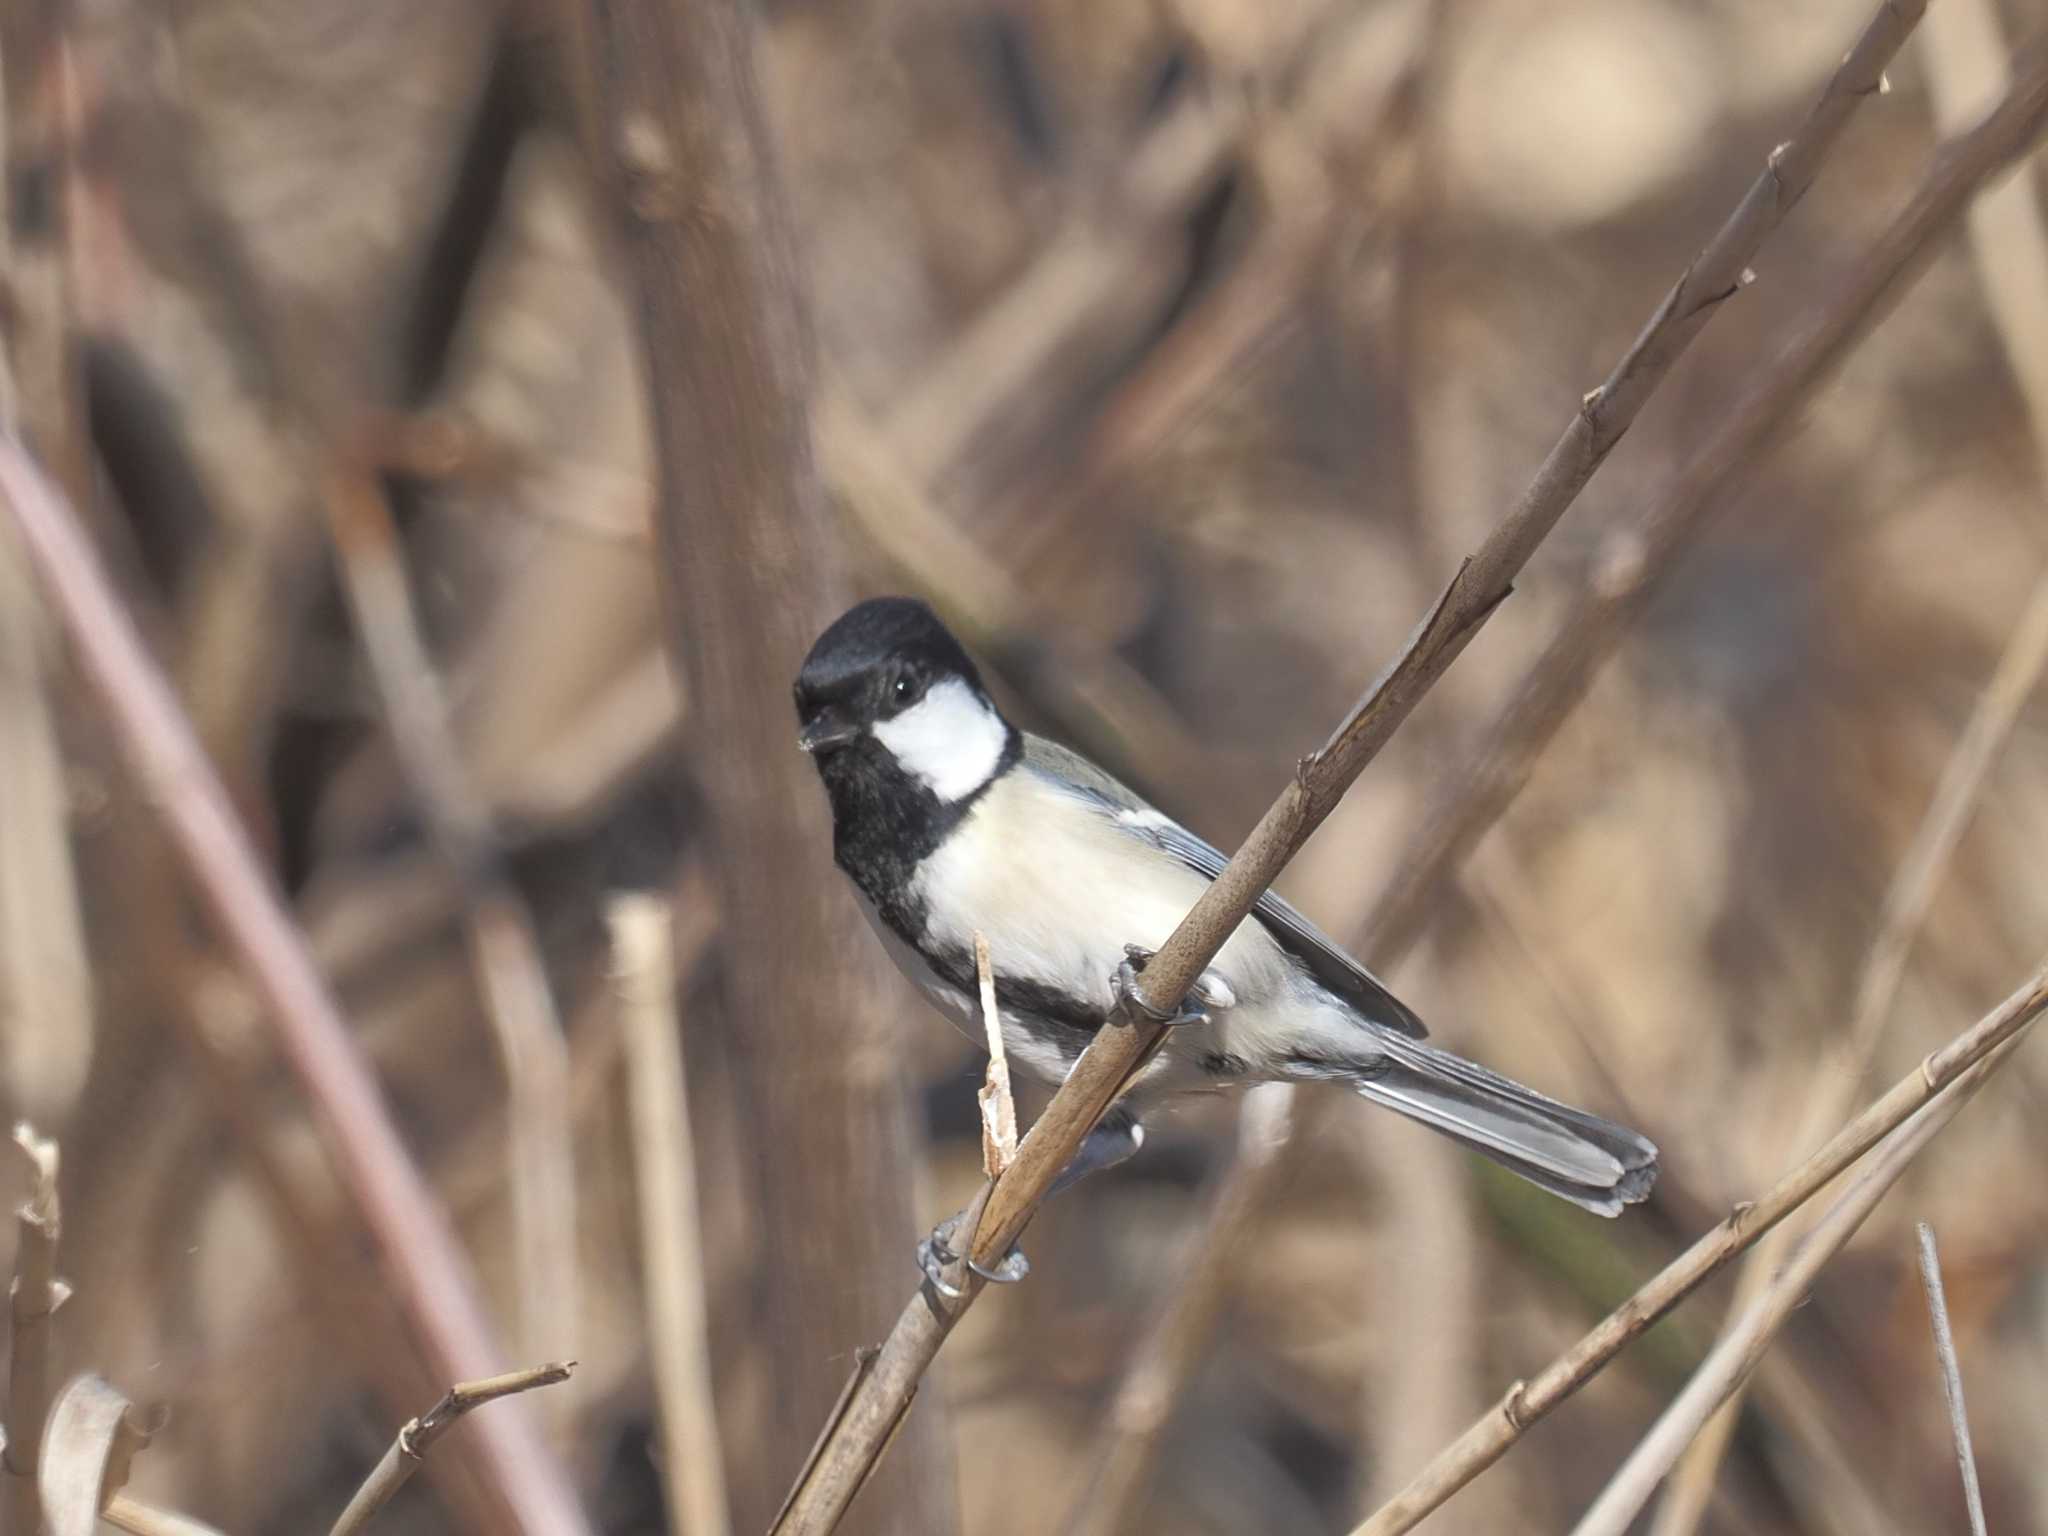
{"x":825,"y":731}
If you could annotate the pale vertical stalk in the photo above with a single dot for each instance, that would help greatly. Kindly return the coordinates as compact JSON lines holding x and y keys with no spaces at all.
{"x":1951,"y":1377}
{"x":998,"y":1108}
{"x":671,"y":1235}
{"x":33,"y":1299}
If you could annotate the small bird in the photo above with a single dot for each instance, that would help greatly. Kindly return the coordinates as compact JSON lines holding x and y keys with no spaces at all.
{"x":951,"y":822}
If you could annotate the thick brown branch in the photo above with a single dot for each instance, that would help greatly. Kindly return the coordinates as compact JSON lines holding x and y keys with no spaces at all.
{"x":749,"y":576}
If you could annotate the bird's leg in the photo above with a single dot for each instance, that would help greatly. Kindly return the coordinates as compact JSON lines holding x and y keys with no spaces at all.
{"x":1116,"y":1137}
{"x":1130,"y":1002}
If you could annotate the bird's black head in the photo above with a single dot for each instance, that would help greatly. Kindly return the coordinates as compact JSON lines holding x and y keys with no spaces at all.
{"x":905,"y":737}
{"x":876,"y":660}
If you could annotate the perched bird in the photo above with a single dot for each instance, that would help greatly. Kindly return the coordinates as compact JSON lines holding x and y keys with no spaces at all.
{"x":951,"y":822}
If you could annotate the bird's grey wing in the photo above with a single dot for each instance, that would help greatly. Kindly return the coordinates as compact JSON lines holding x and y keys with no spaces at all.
{"x":1318,"y":953}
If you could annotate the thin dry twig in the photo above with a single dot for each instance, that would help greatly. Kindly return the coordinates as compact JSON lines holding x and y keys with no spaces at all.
{"x":998,"y":1108}
{"x":1967,"y":68}
{"x":32,"y":1302}
{"x":1486,"y":1441}
{"x":504,"y":949}
{"x":416,"y":1436}
{"x":125,"y":1512}
{"x":418,"y":1252}
{"x":1556,"y":681}
{"x":671,"y":1233}
{"x":1742,"y":1346}
{"x":1951,"y":1376}
{"x":855,"y":1440}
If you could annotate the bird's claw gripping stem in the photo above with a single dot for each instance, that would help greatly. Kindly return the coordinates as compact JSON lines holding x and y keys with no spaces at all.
{"x":936,"y":1255}
{"x":1130,"y":1001}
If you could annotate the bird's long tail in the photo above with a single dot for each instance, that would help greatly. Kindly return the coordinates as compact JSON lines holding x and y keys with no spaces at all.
{"x":1591,"y":1162}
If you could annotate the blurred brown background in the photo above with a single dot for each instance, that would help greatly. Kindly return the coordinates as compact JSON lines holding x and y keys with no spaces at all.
{"x":1175,"y":349}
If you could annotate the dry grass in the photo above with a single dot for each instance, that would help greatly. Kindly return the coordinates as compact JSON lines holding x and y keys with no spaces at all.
{"x":1178,"y":353}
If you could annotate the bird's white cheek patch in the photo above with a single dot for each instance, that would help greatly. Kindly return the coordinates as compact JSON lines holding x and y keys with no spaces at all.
{"x":949,"y":739}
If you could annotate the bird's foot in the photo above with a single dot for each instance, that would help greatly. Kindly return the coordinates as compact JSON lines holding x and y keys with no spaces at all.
{"x":936,"y":1255}
{"x":1131,"y":1004}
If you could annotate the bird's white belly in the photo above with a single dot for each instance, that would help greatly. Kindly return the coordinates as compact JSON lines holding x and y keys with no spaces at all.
{"x":1026,"y":1045}
{"x":1026,"y":870}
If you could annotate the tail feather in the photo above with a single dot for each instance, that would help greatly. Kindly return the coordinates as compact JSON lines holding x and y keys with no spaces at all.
{"x":1591,"y":1162}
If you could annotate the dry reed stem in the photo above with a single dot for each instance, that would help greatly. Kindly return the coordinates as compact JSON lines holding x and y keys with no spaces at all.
{"x":418,"y":1252}
{"x":1951,"y":1377}
{"x":416,"y":1436}
{"x":1742,"y":1345}
{"x":504,"y":950}
{"x":1968,"y":66}
{"x":1556,"y":681}
{"x":1967,"y":69}
{"x":46,"y":982}
{"x":854,"y":1441}
{"x":1486,"y":1441}
{"x":1906,"y":905}
{"x":126,"y":1513}
{"x":998,"y":1108}
{"x":1831,"y":1495}
{"x":32,"y":1302}
{"x":671,"y":1233}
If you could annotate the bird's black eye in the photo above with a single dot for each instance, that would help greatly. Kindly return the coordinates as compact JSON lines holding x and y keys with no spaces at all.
{"x":904,"y":689}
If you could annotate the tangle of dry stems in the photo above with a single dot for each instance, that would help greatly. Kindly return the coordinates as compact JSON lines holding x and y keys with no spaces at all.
{"x":1742,"y":1345}
{"x":1962,"y":167}
{"x":854,"y":1441}
{"x":1966,"y":58}
{"x":419,"y":1254}
{"x":1553,"y":684}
